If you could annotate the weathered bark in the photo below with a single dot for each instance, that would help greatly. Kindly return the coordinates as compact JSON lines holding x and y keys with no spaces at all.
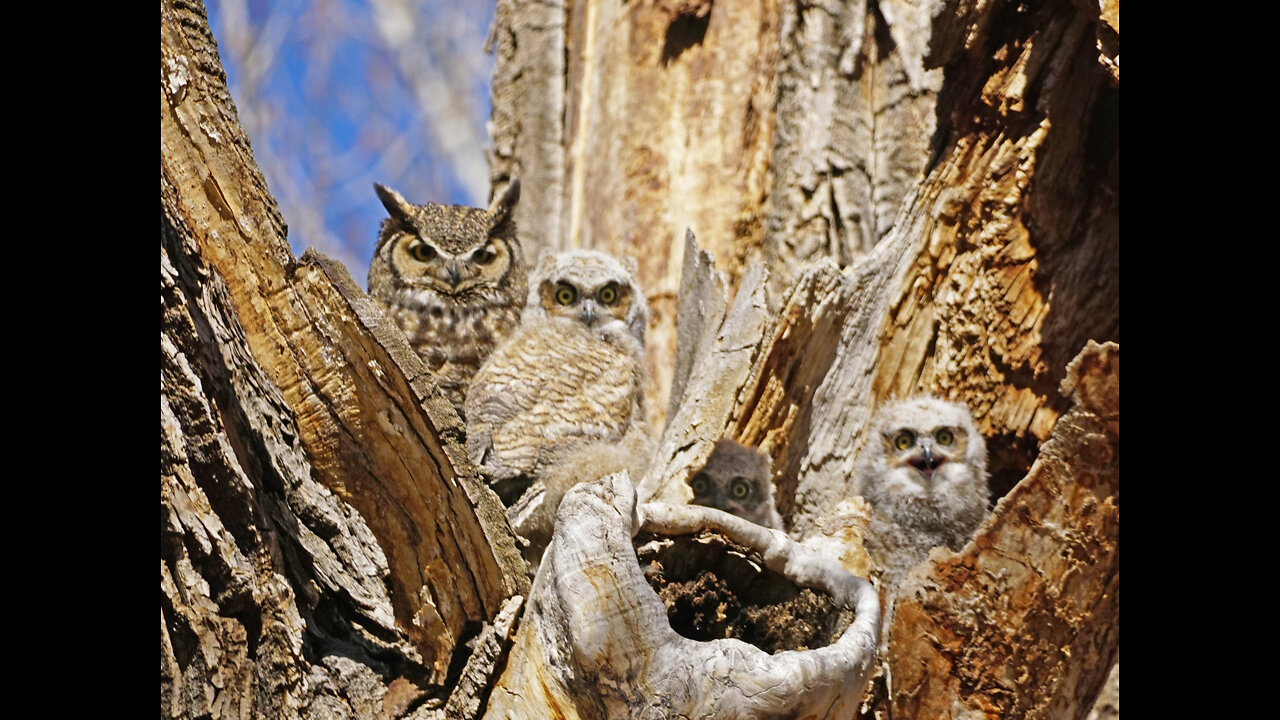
{"x":323,"y":532}
{"x":856,"y":123}
{"x":597,"y":643}
{"x":934,"y":190}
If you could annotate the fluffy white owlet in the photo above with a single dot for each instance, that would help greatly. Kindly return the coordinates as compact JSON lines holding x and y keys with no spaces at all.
{"x":453,"y":279}
{"x":738,"y":480}
{"x":924,"y":472}
{"x":570,"y":376}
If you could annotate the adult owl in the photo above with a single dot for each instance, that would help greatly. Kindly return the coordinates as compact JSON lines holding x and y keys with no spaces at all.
{"x":452,"y":278}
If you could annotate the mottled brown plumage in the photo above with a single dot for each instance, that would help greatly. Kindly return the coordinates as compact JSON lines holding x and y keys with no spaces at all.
{"x":571,"y":375}
{"x":453,"y":279}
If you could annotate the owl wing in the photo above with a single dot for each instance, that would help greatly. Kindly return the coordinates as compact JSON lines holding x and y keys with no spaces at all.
{"x":591,"y":394}
{"x":543,"y":392}
{"x":494,"y":400}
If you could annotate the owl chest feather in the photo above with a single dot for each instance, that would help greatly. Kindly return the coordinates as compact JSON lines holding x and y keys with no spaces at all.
{"x":534,"y":416}
{"x":458,"y":329}
{"x":454,"y":337}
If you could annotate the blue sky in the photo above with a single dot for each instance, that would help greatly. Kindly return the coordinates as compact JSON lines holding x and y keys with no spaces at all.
{"x":338,"y":94}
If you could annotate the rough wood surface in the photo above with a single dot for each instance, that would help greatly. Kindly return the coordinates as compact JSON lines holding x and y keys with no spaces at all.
{"x":326,"y":550}
{"x":231,"y":622}
{"x":1035,"y":597}
{"x":347,"y":488}
{"x":596,"y":641}
{"x":855,"y":128}
{"x":666,"y":124}
{"x":700,"y":310}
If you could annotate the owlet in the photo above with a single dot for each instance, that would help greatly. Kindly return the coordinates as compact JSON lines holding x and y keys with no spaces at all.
{"x":924,"y":472}
{"x":570,"y":377}
{"x":737,"y":479}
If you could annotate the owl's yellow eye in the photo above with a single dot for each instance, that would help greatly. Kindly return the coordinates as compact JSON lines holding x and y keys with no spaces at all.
{"x":608,"y":294}
{"x":484,"y":255}
{"x":944,"y":436}
{"x":740,"y":489}
{"x":566,"y":294}
{"x":422,"y":252}
{"x":700,"y":484}
{"x":904,"y":440}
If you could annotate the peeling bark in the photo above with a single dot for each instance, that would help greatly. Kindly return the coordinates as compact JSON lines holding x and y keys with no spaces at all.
{"x":893,"y":198}
{"x":856,"y":127}
{"x":323,"y":532}
{"x":597,"y":643}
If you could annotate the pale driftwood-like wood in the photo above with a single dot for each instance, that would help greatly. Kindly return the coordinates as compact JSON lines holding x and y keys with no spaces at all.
{"x":700,"y":310}
{"x":527,"y":127}
{"x":1035,"y":597}
{"x":326,"y":549}
{"x":299,"y":431}
{"x":855,"y":128}
{"x":596,"y":642}
{"x":717,"y":370}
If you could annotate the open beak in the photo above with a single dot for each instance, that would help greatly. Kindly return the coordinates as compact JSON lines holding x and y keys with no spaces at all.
{"x":926,"y":462}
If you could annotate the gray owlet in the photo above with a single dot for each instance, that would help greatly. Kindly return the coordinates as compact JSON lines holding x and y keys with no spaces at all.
{"x":572,"y":375}
{"x":452,"y":278}
{"x":924,"y":472}
{"x":737,"y":479}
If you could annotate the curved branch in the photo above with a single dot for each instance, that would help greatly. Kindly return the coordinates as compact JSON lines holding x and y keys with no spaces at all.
{"x":608,"y":649}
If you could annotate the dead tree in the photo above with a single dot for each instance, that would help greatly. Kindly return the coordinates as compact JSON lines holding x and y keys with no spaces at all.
{"x":901,"y":198}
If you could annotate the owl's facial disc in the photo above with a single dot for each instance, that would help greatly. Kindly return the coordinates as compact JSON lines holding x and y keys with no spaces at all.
{"x":425,"y":263}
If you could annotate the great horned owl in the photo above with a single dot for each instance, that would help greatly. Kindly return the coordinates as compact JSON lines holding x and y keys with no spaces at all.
{"x":452,"y":278}
{"x":924,"y":471}
{"x":570,"y":376}
{"x":737,"y":479}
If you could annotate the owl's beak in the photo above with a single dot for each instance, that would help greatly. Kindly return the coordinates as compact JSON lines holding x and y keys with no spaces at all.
{"x":454,"y":277}
{"x":926,"y":462}
{"x":588,"y":314}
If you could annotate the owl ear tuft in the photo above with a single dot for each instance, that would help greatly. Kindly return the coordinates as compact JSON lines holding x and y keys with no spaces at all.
{"x":394,"y":202}
{"x":500,"y":211}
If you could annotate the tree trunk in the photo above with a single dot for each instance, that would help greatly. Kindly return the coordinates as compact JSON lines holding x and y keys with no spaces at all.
{"x":323,"y":536}
{"x":902,"y":198}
